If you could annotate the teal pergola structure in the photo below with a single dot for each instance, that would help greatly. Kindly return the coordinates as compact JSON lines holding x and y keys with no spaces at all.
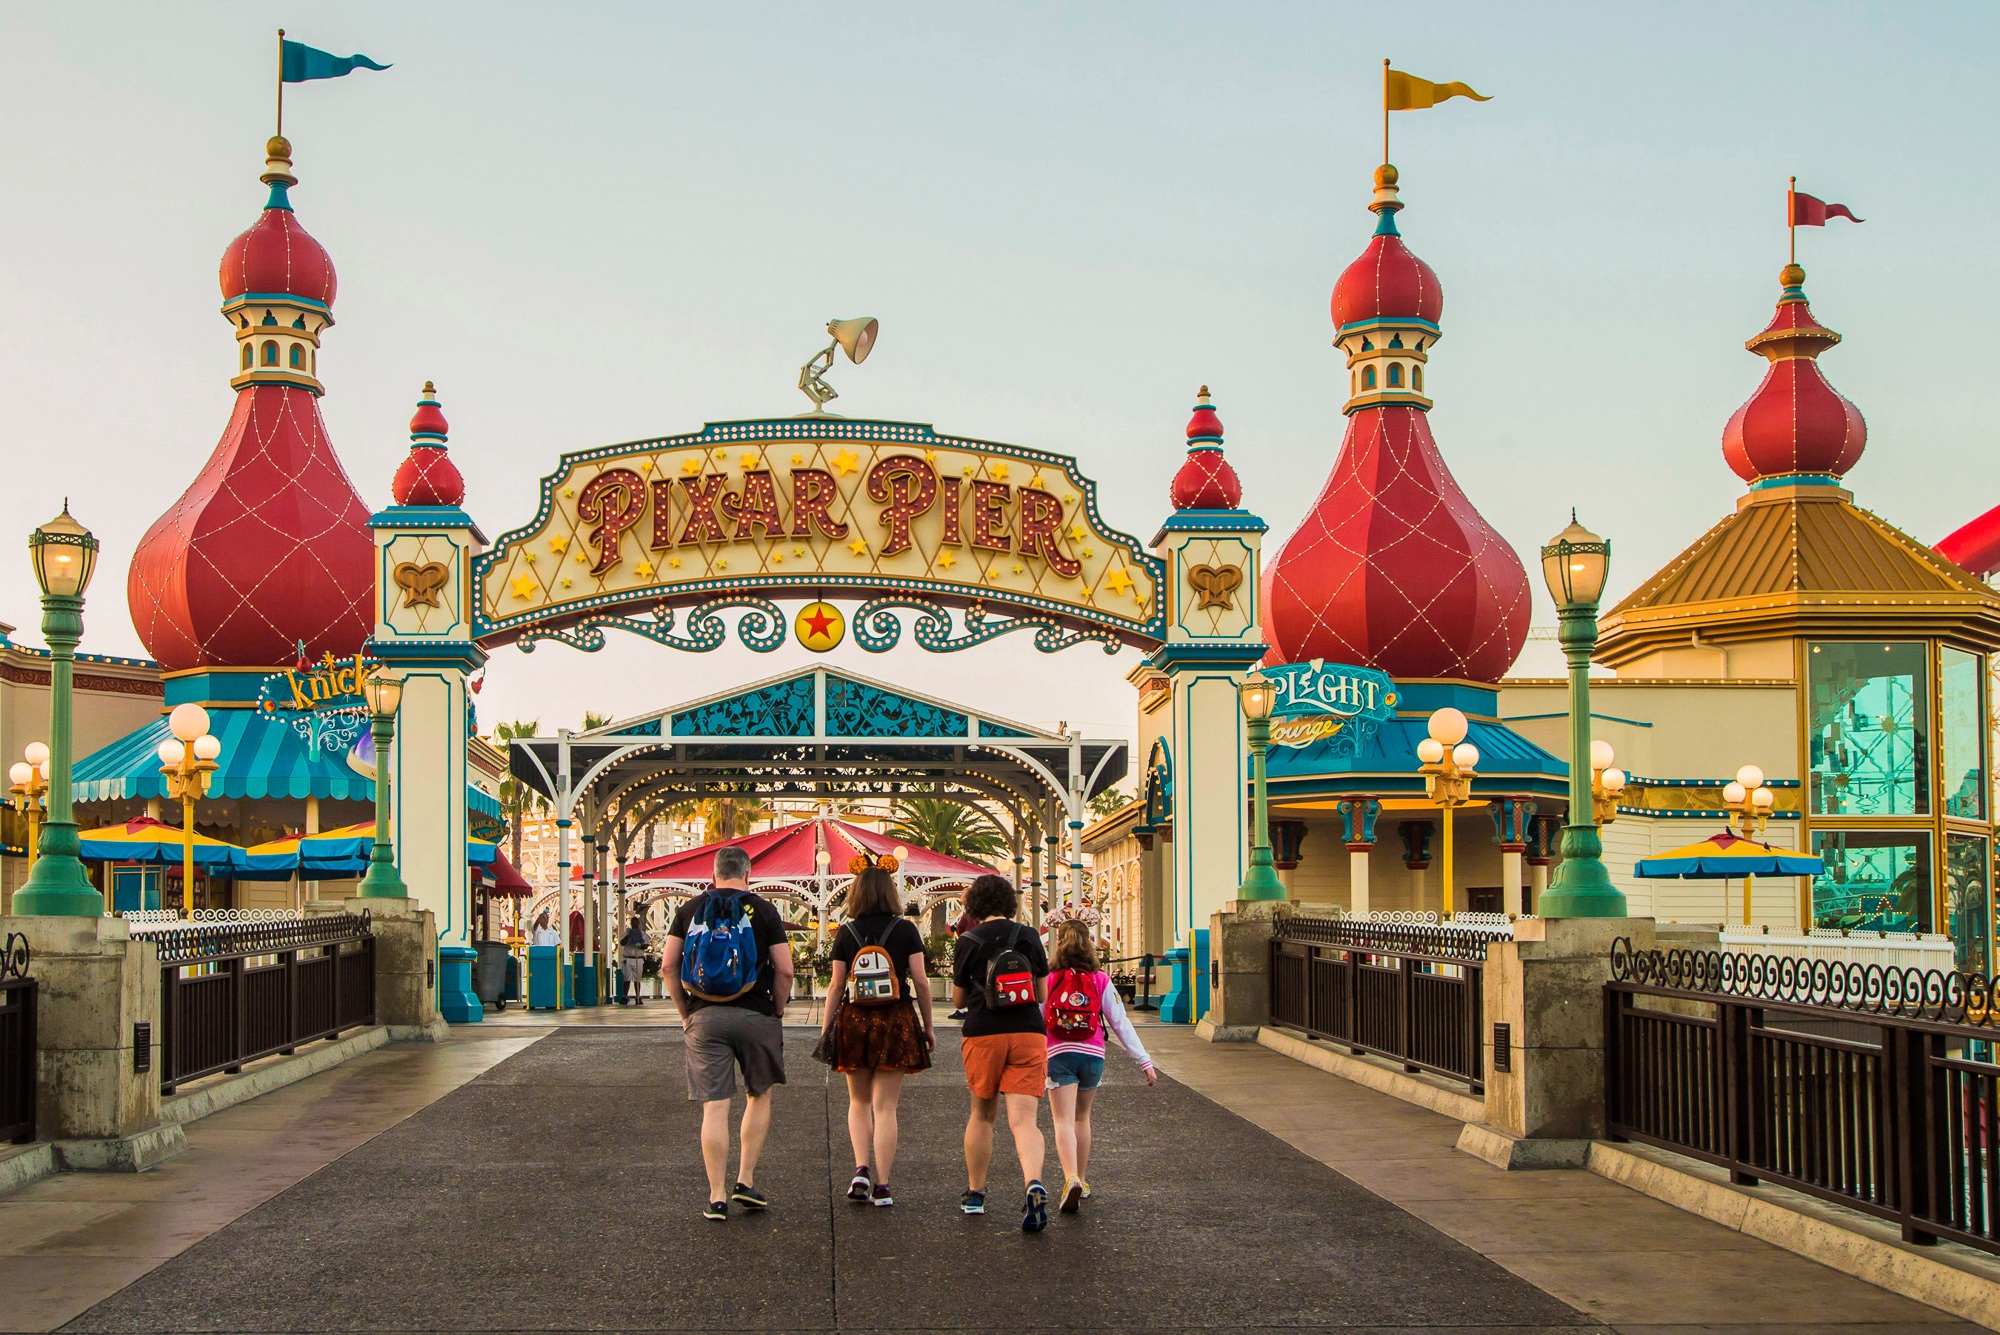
{"x":817,"y":733}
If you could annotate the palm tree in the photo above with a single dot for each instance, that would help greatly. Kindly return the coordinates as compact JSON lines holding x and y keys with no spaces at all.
{"x":723,"y":818}
{"x":593,"y":719}
{"x":947,"y":827}
{"x":1108,"y":802}
{"x":517,"y":798}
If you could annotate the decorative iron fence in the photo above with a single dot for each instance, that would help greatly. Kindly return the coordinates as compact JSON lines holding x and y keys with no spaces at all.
{"x":233,"y":992}
{"x":1865,"y":1085}
{"x":18,"y":996}
{"x":1410,"y":993}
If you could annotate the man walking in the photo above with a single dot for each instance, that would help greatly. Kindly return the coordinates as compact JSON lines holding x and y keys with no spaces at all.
{"x":729,"y":969}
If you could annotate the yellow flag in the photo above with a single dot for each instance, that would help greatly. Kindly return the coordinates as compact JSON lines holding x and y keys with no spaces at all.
{"x":1406,"y":92}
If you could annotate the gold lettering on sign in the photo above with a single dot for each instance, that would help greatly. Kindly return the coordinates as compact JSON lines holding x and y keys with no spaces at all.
{"x":1217,"y":585}
{"x":420,"y":583}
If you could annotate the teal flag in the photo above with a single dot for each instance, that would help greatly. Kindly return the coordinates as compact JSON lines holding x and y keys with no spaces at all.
{"x":303,"y":63}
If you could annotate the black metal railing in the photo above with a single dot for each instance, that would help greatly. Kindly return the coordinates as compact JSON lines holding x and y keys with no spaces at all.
{"x":1409,"y":993}
{"x":1134,"y":980}
{"x":1863,"y":1084}
{"x":233,"y":992}
{"x":18,"y":995}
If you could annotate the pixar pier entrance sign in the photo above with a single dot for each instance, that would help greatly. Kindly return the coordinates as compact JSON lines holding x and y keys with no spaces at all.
{"x":659,"y":537}
{"x":815,"y":530}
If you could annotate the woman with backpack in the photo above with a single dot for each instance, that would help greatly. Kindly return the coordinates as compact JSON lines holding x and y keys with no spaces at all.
{"x":879,"y":1018}
{"x":1082,"y":1005}
{"x":999,"y":979}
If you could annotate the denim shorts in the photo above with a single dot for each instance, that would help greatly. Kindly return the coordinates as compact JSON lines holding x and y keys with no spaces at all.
{"x":1075,"y":1068}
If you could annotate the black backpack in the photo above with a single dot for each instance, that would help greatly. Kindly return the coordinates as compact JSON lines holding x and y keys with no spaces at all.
{"x":1010,"y":974}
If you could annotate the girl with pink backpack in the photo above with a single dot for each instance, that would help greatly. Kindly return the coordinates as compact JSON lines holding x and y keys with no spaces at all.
{"x":1082,"y":1005}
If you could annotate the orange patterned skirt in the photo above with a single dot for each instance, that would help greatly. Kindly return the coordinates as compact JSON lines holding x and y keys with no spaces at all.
{"x":880,"y":1038}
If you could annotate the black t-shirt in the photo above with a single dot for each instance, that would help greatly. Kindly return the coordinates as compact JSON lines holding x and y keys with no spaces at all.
{"x":980,"y":944}
{"x":894,"y":933}
{"x":770,"y":929}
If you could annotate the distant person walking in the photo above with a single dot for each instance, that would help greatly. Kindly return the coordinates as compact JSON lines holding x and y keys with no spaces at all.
{"x":729,"y":969}
{"x":1082,"y":1005}
{"x":632,"y":961}
{"x":881,"y":1025}
{"x":999,"y":978}
{"x":543,"y":934}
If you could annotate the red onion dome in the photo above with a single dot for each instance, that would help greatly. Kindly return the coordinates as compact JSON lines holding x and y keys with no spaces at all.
{"x":1393,"y":568}
{"x":277,"y":255}
{"x":1387,"y":282}
{"x":1205,"y":480}
{"x":427,"y":475}
{"x":1796,"y":424}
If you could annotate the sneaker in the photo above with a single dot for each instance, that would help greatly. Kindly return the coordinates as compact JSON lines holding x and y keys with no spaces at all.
{"x":863,"y":1182}
{"x":1072,"y":1196}
{"x":1035,"y":1212}
{"x":1086,"y":1189}
{"x":881,"y":1196}
{"x":956,"y":1015}
{"x":716,"y":1210}
{"x":749,"y":1198}
{"x":972,"y":1202}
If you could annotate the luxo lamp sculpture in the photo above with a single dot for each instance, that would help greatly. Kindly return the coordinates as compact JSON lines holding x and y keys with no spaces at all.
{"x":1449,"y":763}
{"x":64,"y":555}
{"x":854,"y":337}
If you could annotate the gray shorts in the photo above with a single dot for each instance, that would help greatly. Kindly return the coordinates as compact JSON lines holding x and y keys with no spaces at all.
{"x":718,"y":1039}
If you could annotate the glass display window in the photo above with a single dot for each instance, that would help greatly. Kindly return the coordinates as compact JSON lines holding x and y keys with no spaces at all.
{"x":1869,"y":728}
{"x":1962,"y":700}
{"x":1873,"y":880}
{"x":1968,"y":902}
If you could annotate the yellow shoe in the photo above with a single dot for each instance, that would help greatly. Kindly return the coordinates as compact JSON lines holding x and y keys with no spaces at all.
{"x":1086,"y":1188}
{"x":1072,"y":1196}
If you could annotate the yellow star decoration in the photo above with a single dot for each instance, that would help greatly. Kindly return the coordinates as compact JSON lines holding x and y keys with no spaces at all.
{"x":1085,"y":592}
{"x":778,"y":557}
{"x":644,"y":570}
{"x":747,"y":459}
{"x":646,"y":466}
{"x":524,"y":587}
{"x":946,"y":560}
{"x":1035,"y":482}
{"x":722,"y":565}
{"x":569,"y":491}
{"x":558,"y":544}
{"x":582,"y":556}
{"x":1076,"y":532}
{"x":1118,"y":581}
{"x":930,"y":456}
{"x":846,"y":461}
{"x":859,"y":546}
{"x":1069,"y":498}
{"x":992,"y":574}
{"x":798,"y":458}
{"x":969,"y":469}
{"x":691,"y":465}
{"x":1017,"y":567}
{"x":722,"y":454}
{"x":565,"y":582}
{"x":674,"y":561}
{"x":798,"y":551}
{"x":997,"y":470}
{"x":1088,"y":553}
{"x":530,"y":556}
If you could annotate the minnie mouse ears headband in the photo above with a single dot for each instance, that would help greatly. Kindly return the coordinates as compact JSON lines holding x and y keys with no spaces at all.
{"x":862,"y":862}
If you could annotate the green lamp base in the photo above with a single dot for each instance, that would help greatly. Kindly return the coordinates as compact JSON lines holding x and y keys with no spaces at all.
{"x":58,"y":886}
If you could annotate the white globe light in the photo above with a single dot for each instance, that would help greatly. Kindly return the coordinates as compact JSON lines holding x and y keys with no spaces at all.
{"x":1732,"y":793}
{"x":1465,"y":756}
{"x":207,"y":747}
{"x":1601,"y":754}
{"x":1614,"y":780}
{"x":1765,"y":798}
{"x":1430,"y":751}
{"x":172,"y":752}
{"x":36,"y":753}
{"x":21,"y":773}
{"x":43,"y":770}
{"x":1449,"y":726}
{"x":1750,"y":777}
{"x":188,"y":721}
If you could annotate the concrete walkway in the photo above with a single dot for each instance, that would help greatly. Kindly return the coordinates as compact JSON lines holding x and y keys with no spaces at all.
{"x":527,"y":1177}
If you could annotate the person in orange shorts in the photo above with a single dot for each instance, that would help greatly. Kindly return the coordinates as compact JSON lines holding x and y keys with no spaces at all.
{"x":1000,"y":979}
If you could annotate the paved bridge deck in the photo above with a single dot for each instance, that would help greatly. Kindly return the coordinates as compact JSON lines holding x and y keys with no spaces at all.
{"x":559,"y":1188}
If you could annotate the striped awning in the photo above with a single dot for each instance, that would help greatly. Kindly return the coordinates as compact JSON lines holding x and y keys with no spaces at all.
{"x":262,"y":756}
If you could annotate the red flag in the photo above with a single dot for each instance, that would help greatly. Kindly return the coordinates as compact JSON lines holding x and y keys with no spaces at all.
{"x":1810,"y":212}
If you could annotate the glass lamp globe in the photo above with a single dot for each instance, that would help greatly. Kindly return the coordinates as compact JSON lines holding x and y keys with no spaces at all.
{"x":1256,"y":696}
{"x":1733,"y":792}
{"x":207,"y":747}
{"x":188,"y":721}
{"x":1465,"y":756}
{"x":1601,"y":754}
{"x":1449,"y":726}
{"x":902,"y":853}
{"x":1574,"y":566}
{"x":64,"y":555}
{"x":1430,"y":751}
{"x":36,"y":753}
{"x":172,"y":752}
{"x":1614,"y":780}
{"x":21,"y":773}
{"x":1750,"y":776}
{"x":1764,"y":798}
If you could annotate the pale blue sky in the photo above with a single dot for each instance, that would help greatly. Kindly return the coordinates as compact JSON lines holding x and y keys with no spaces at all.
{"x":594,"y":223}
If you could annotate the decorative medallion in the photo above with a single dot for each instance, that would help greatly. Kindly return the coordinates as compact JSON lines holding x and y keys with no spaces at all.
{"x":420,"y":582}
{"x":1217,"y":585}
{"x":819,"y":626}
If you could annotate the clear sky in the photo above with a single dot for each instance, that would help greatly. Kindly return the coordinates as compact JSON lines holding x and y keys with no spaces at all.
{"x":592,"y":223}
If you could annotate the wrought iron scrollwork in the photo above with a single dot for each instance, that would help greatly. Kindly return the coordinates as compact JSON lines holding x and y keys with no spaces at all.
{"x":878,"y":628}
{"x":14,"y":957}
{"x":214,"y":941}
{"x":1413,"y":939}
{"x":761,"y":627}
{"x":1944,"y":996}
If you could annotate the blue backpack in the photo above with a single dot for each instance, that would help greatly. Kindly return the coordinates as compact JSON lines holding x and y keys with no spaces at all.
{"x":721,"y":960}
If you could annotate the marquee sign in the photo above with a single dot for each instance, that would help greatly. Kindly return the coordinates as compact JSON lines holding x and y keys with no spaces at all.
{"x":1321,"y":701}
{"x":890,"y":514}
{"x":322,"y":702}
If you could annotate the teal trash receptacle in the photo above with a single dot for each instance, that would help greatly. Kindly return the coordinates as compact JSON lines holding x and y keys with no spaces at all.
{"x":586,"y":984}
{"x":1177,"y":1006}
{"x":543,"y":966}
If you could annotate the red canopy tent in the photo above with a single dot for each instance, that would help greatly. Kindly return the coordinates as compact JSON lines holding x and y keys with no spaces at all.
{"x":500,"y":878}
{"x":790,"y":853}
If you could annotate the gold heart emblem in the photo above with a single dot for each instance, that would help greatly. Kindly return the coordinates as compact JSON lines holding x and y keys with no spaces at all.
{"x":420,"y":583}
{"x":1217,"y":585}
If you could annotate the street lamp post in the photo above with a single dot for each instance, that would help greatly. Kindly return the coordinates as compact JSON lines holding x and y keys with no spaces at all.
{"x":1449,"y":763}
{"x":64,"y":555}
{"x":30,"y":777}
{"x":1257,"y":698}
{"x":1607,"y":783}
{"x":384,"y":693}
{"x":1750,"y":801}
{"x":186,"y":760}
{"x":1575,"y":565}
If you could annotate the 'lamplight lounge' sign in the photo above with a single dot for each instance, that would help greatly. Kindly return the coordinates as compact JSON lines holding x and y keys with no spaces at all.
{"x":1315,"y":701}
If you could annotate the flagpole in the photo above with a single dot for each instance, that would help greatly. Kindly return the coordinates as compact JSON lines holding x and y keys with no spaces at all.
{"x":281,"y":83}
{"x":1792,"y":217}
{"x":1385,"y":109}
